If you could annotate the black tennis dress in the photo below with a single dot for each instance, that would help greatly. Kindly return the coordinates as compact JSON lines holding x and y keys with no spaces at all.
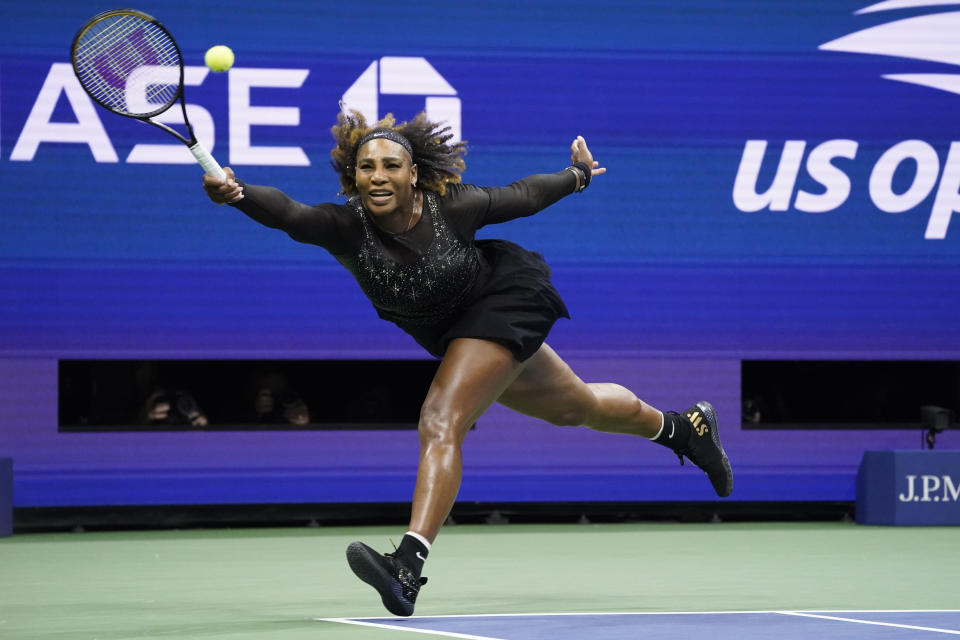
{"x":436,"y":281}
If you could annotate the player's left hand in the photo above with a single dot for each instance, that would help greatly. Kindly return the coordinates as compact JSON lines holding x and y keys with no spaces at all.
{"x":580,"y":153}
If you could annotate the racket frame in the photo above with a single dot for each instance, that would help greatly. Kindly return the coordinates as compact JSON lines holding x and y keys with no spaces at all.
{"x":198,"y":150}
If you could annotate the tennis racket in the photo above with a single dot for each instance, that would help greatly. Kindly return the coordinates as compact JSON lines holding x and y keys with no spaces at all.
{"x":130,"y":64}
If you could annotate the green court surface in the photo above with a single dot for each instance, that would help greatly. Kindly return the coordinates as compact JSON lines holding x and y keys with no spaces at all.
{"x":275,"y":583}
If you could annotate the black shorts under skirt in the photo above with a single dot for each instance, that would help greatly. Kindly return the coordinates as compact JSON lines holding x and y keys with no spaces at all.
{"x":514,"y":304}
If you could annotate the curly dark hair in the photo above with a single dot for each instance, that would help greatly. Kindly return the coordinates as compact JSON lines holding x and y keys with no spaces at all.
{"x":438,"y":161}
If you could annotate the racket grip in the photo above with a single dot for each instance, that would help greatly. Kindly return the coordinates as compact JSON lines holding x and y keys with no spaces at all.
{"x":207,"y":162}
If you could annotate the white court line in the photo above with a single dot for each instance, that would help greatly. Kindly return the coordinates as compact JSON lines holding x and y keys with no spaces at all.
{"x":393,"y":627}
{"x":390,"y":621}
{"x":643,"y":613}
{"x":873,"y":622}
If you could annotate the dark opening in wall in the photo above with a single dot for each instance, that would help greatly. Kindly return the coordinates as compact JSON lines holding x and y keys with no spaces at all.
{"x":174,"y":395}
{"x":833,"y":394}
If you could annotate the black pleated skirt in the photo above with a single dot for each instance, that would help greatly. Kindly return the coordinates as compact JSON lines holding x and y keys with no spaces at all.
{"x":513,"y":303}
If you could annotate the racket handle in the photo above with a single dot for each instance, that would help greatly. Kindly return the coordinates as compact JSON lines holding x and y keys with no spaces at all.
{"x":207,"y":162}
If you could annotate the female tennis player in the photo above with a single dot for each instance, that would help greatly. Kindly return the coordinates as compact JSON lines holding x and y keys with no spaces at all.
{"x":484,"y":307}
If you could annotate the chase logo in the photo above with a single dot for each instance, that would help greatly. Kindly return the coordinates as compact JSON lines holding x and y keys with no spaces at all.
{"x":405,"y":76}
{"x":932,"y":38}
{"x":388,"y":75}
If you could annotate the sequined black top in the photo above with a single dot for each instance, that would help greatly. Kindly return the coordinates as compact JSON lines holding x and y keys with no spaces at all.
{"x":424,"y":289}
{"x":422,"y":275}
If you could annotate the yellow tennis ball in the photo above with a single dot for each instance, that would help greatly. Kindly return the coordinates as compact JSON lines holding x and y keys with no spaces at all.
{"x":219,"y":58}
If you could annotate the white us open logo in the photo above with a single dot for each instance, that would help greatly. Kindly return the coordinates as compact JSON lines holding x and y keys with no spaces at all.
{"x":393,"y":75}
{"x":929,"y":38}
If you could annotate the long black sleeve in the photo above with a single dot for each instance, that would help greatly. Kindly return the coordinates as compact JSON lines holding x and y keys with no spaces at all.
{"x":328,"y":225}
{"x":475,"y":207}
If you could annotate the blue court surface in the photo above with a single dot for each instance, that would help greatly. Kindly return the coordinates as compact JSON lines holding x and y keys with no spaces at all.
{"x":727,"y":625}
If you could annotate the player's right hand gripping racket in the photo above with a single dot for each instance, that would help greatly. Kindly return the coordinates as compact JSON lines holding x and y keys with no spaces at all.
{"x":129,"y":63}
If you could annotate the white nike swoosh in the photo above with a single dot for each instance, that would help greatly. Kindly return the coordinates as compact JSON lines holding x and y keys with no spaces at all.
{"x":422,"y":559}
{"x":672,"y":427}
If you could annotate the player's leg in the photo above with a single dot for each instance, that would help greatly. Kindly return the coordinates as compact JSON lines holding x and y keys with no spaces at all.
{"x":548,"y":389}
{"x":472,"y":375}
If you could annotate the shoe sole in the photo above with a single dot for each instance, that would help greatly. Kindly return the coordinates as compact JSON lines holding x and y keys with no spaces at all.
{"x":707,"y":409}
{"x":363,"y":562}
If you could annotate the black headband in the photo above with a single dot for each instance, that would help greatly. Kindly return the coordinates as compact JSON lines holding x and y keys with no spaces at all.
{"x":388,"y":134}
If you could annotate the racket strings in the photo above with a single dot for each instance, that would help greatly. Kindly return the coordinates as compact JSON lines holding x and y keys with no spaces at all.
{"x":114,"y":49}
{"x":109,"y":34}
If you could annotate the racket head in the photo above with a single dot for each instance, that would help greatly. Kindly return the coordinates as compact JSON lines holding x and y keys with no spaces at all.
{"x":124,"y":48}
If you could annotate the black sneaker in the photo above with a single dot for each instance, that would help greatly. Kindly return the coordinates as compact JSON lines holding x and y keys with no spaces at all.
{"x":703,"y":448}
{"x":398,"y":586}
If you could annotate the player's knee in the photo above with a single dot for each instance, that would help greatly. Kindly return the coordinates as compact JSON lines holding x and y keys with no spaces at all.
{"x":437,"y":426}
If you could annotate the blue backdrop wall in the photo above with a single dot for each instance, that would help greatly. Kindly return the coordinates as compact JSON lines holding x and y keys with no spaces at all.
{"x":782,"y":183}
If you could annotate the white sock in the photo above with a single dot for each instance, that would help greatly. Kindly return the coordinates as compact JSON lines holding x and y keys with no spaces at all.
{"x":661,"y":427}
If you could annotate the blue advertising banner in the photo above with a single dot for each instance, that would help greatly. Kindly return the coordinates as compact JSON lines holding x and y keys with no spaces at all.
{"x":909,"y":488}
{"x":783,"y":182}
{"x":753,"y":133}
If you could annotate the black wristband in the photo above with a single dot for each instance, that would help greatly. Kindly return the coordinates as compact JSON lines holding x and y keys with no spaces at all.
{"x":585,"y":174}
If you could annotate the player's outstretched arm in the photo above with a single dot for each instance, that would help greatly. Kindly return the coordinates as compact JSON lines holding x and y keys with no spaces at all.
{"x":317,"y":224}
